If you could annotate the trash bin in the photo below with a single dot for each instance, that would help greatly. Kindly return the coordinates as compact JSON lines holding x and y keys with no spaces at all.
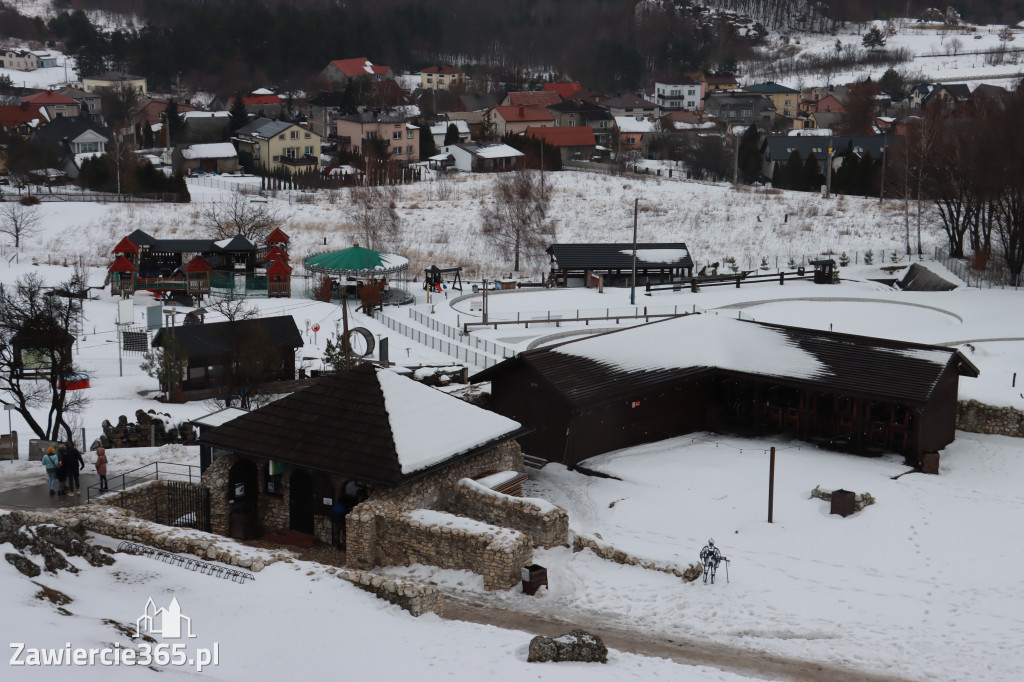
{"x":533,"y":577}
{"x":240,"y":524}
{"x":930,"y":463}
{"x":842,"y":502}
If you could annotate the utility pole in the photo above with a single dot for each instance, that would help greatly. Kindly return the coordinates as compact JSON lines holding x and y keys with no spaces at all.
{"x":632,"y":289}
{"x":771,"y":485}
{"x":736,"y":160}
{"x":828,"y":171}
{"x":344,"y":324}
{"x":881,"y":187}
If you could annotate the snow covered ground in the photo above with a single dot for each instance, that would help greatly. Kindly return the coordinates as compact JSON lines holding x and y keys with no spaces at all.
{"x":920,"y":585}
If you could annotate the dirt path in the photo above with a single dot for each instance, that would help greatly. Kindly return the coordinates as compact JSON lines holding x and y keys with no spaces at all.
{"x":732,"y":659}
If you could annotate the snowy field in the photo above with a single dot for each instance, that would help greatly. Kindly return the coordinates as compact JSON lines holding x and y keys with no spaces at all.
{"x":897,"y":589}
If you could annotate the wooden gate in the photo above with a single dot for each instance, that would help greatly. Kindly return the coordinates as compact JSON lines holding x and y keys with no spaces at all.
{"x":188,"y":506}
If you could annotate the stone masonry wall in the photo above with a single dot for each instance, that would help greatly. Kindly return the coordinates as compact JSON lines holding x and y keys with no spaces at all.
{"x":147,"y":501}
{"x":977,"y":417}
{"x":546,"y":524}
{"x":271,"y":510}
{"x":449,"y":542}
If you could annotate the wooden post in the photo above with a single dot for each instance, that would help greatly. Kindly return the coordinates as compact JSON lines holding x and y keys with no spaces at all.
{"x":771,"y":485}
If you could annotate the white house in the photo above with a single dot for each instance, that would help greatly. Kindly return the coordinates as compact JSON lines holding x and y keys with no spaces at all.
{"x":439,"y":130}
{"x":484,"y":158}
{"x":686,"y":94}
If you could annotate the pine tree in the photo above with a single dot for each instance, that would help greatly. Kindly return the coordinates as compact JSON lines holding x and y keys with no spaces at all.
{"x":239,"y":116}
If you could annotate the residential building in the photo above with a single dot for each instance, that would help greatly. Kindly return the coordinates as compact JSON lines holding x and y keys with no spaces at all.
{"x":631,"y":105}
{"x":635,"y":135}
{"x":440,"y":130}
{"x":218,"y":157}
{"x":776,"y":149}
{"x":739,"y":108}
{"x":484,"y":158}
{"x":442,"y":78}
{"x":340,"y":71}
{"x":75,"y":140}
{"x":531,"y":98}
{"x":401,"y":137}
{"x":55,"y":104}
{"x":21,"y":119}
{"x":573,"y":143}
{"x":277,"y":145}
{"x":571,"y":112}
{"x":719,"y":82}
{"x":684,"y":94}
{"x":88,"y":102}
{"x":150,"y":110}
{"x":111,"y":79}
{"x":564,"y":90}
{"x":18,"y":60}
{"x":474,"y":103}
{"x":45,"y":60}
{"x":321,"y":111}
{"x":512,"y":120}
{"x":786,"y":100}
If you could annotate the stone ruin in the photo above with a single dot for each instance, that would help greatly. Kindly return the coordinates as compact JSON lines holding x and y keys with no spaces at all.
{"x":578,"y":646}
{"x":150,"y":428}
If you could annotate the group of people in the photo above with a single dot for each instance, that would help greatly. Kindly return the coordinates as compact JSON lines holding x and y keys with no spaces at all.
{"x":63,"y":465}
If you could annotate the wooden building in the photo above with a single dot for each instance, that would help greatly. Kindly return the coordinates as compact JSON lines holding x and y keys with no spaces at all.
{"x":655,"y":263}
{"x":212,"y":347}
{"x":707,"y":372}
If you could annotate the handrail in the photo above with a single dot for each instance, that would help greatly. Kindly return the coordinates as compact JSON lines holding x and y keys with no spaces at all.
{"x":127,"y":482}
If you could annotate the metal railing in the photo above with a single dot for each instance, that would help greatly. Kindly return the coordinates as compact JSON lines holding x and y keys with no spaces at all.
{"x":988,"y":278}
{"x":154,"y":471}
{"x":455,"y":350}
{"x":460,"y":336}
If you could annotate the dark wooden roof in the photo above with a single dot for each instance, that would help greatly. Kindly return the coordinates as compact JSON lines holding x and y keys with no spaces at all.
{"x":237,"y":244}
{"x":339,"y":425}
{"x":920,"y":278}
{"x":218,"y":338}
{"x":613,"y":256}
{"x":879,"y":369}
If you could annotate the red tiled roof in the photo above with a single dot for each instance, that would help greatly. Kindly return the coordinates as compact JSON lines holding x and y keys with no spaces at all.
{"x":14,"y":115}
{"x":524,"y":113}
{"x":122,"y":264}
{"x":565,"y":136}
{"x":359,"y":66}
{"x":47,"y":97}
{"x":541,"y":98}
{"x":564,"y":90}
{"x":276,"y":253}
{"x":279,"y":267}
{"x":257,"y":100}
{"x":278,"y":237}
{"x":126,"y":245}
{"x":442,"y":69}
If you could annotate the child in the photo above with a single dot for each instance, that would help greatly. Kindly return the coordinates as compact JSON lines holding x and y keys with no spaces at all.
{"x":101,"y":467}
{"x":52,"y":465}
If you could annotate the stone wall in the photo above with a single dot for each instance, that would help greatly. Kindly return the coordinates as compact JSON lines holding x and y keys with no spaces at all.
{"x":147,"y":500}
{"x":977,"y":417}
{"x":606,"y":551}
{"x":271,"y":509}
{"x":449,"y":541}
{"x":416,"y":598}
{"x":546,"y":524}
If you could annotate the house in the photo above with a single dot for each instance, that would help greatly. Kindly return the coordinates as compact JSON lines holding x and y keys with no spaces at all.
{"x":707,"y":372}
{"x":440,"y":130}
{"x":683,"y":94}
{"x":442,"y":78}
{"x":572,"y":112}
{"x":467,"y":103}
{"x":205,"y":127}
{"x":631,"y":105}
{"x":88,"y":102}
{"x":564,"y":90}
{"x":18,"y":60}
{"x":786,"y":100}
{"x":321,"y":111}
{"x":635,"y":135}
{"x":217,"y":157}
{"x":739,"y":108}
{"x":277,"y":145}
{"x":722,"y":82}
{"x":572,"y":142}
{"x":834,"y":103}
{"x":776,"y":149}
{"x":573,"y":264}
{"x":513,"y":120}
{"x":948,"y":93}
{"x":45,"y":60}
{"x":150,"y":110}
{"x":822,"y":120}
{"x":401,"y":137}
{"x":75,"y":139}
{"x":484,"y":158}
{"x":531,"y":98}
{"x":21,"y":119}
{"x":213,"y":346}
{"x":474,"y":119}
{"x":340,"y":71}
{"x":111,"y":79}
{"x":400,"y":458}
{"x":686,"y":121}
{"x":55,"y":104}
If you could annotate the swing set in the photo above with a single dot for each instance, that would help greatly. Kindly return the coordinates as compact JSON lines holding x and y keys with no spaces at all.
{"x":433,"y":280}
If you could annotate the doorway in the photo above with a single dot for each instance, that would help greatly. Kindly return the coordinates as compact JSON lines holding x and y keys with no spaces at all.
{"x":300,"y":501}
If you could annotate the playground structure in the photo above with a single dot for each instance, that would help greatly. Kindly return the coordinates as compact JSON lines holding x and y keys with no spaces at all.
{"x":201,"y":267}
{"x":351,"y":270}
{"x":433,"y":279}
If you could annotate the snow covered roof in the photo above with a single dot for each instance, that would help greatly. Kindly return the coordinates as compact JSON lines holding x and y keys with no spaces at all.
{"x":496,"y":150}
{"x":442,"y":127}
{"x":214,"y":150}
{"x":629,"y":124}
{"x":219,"y":417}
{"x":368,"y":423}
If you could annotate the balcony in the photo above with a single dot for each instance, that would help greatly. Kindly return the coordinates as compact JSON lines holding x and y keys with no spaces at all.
{"x":308,"y":160}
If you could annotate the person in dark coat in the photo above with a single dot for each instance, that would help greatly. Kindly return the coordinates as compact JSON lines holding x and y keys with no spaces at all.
{"x":72,"y":463}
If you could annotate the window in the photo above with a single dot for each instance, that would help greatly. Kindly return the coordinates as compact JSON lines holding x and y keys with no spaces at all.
{"x":290,"y":152}
{"x":309,"y":151}
{"x":395,"y":151}
{"x":397,"y":135}
{"x":295,"y":134}
{"x":572,"y":124}
{"x":308,"y":136}
{"x":410,"y":135}
{"x":408,"y":150}
{"x":691,"y":92}
{"x":281,"y":137}
{"x":747,"y":113}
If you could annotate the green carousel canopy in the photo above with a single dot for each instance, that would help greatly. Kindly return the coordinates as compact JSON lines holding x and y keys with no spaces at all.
{"x":357,"y":261}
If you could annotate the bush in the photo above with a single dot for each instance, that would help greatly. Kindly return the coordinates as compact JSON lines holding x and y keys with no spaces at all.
{"x":29,"y":200}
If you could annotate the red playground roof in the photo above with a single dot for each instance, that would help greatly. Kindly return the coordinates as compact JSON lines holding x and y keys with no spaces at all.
{"x":279,"y":267}
{"x":122,"y":264}
{"x":278,"y":237}
{"x":276,"y":253}
{"x":197,"y":264}
{"x":126,"y":245}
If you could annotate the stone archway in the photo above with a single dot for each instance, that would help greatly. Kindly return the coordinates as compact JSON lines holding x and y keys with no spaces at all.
{"x":243,"y":495}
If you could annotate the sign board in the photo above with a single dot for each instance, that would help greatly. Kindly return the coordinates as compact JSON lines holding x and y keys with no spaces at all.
{"x":476,"y":305}
{"x":153,"y":315}
{"x":135,"y":342}
{"x":125,"y":311}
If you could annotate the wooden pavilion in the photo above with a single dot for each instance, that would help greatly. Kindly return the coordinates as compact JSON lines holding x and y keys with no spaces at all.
{"x":655,"y":263}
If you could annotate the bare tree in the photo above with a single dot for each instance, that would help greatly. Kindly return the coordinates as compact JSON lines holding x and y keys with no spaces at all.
{"x":516,"y":222}
{"x":234,"y":307}
{"x":374,"y":213}
{"x":37,"y":329}
{"x":253,"y":220}
{"x":18,"y":220}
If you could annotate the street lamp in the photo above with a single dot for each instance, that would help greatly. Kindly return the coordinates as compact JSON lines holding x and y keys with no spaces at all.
{"x":828,"y":170}
{"x":881,"y":187}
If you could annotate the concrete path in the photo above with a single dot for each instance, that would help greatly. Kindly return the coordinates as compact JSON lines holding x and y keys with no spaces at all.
{"x":39,"y":497}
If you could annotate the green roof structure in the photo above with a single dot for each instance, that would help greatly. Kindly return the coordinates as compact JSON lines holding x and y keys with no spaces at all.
{"x":357,"y":261}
